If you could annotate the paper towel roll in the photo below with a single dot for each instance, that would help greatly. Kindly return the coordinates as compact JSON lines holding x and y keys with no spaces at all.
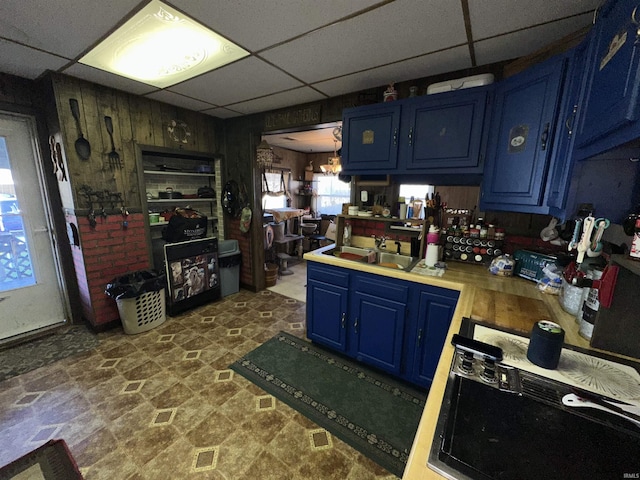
{"x":432,"y":256}
{"x":403,"y":210}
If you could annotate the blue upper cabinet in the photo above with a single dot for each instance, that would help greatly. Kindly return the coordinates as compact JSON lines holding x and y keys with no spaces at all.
{"x":445,"y":131}
{"x":562,"y":160}
{"x":610,"y":109}
{"x":521,"y":139}
{"x":370,"y":138}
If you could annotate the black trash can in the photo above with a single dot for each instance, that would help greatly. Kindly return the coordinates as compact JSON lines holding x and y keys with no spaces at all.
{"x":140,"y":299}
{"x":229,"y":261}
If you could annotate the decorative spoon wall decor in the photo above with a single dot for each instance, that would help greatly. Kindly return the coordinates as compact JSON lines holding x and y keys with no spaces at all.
{"x":83,"y":147}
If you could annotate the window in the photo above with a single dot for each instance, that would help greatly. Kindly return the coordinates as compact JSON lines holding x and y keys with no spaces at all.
{"x":275,"y":189}
{"x":417,"y":192}
{"x":331,"y":194}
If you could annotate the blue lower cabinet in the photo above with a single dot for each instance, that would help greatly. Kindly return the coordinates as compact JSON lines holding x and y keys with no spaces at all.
{"x":435,"y":307}
{"x":396,"y":326}
{"x":327,"y":305}
{"x":379,"y":314}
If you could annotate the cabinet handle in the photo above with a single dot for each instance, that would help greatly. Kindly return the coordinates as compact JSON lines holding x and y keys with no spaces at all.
{"x":544,"y":137}
{"x":343,"y":319}
{"x":570,"y":120}
{"x":419,"y":336}
{"x":355,"y":326}
{"x":395,"y":136}
{"x":411,"y":136}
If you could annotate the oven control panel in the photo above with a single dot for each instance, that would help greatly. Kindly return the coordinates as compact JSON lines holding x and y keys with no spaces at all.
{"x":481,"y":362}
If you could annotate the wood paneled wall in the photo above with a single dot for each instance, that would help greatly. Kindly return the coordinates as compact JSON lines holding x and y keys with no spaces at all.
{"x":136,"y":120}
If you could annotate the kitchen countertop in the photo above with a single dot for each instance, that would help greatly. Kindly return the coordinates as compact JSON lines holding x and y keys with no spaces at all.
{"x":509,"y":302}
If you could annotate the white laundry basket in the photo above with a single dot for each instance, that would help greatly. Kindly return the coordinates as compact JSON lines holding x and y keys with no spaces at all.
{"x":142,"y":313}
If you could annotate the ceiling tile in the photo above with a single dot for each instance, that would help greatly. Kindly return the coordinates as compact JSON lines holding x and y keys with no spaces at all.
{"x":64,"y":27}
{"x":179,"y":100}
{"x":398,"y":30}
{"x":26,"y":62}
{"x":529,"y":12}
{"x":255,"y":25}
{"x":434,"y":64}
{"x":246,"y":78}
{"x":279,"y":100}
{"x":222,"y":112}
{"x":524,"y":42}
{"x":101,"y":77}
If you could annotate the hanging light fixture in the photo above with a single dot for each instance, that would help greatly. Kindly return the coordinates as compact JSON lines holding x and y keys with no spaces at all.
{"x":264,"y":155}
{"x":333,"y":166}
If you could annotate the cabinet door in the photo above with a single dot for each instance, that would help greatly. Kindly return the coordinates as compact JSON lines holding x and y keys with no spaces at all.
{"x":434,"y":314}
{"x":378,"y":320}
{"x":327,"y":303}
{"x":370,"y":138}
{"x":521,"y":137}
{"x":445,"y":131}
{"x":611,"y":102}
{"x":561,"y":167}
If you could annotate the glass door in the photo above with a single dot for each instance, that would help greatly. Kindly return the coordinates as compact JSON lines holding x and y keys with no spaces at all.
{"x":30,"y":288}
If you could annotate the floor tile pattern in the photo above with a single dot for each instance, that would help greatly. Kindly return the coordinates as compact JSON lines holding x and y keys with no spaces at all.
{"x":164,"y":404}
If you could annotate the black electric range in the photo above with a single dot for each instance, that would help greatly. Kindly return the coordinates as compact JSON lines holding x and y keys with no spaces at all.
{"x":512,"y":424}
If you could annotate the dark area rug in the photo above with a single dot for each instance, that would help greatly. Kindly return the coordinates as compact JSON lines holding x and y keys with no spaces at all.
{"x":372,"y":412}
{"x":51,"y":461}
{"x":43,"y":351}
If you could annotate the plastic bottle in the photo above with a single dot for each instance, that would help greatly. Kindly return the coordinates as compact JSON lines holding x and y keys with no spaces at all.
{"x":346,"y":236}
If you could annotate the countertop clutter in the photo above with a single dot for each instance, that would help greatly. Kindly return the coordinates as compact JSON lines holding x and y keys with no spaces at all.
{"x":509,"y":302}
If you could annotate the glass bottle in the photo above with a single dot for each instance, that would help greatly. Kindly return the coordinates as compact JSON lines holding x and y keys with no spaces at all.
{"x":346,"y":236}
{"x":634,"y":254}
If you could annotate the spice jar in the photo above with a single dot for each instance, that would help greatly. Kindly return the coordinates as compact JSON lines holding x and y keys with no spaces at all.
{"x":499,"y":234}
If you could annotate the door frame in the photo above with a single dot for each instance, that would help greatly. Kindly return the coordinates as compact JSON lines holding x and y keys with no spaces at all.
{"x":55,"y":223}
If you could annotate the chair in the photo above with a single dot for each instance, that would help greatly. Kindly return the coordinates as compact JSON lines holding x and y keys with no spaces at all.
{"x":314,"y":241}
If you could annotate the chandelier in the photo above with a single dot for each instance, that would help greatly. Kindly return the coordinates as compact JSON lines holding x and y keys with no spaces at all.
{"x":333,"y":166}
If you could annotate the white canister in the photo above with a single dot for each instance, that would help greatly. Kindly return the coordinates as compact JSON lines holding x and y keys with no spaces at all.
{"x":353,"y":210}
{"x":403,"y":210}
{"x":570,"y":297}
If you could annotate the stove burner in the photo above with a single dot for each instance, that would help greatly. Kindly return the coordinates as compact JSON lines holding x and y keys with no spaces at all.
{"x":466,"y":364}
{"x":489,"y":371}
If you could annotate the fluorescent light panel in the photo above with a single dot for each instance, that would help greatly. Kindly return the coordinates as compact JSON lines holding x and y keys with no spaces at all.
{"x":160,"y":46}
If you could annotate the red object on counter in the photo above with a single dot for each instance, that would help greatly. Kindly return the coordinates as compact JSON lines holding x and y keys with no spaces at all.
{"x":605,"y":286}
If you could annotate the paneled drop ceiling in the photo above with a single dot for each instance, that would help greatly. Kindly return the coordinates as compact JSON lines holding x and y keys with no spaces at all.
{"x":301,"y":50}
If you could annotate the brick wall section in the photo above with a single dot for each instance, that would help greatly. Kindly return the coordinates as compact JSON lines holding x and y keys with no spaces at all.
{"x":244,"y":243}
{"x":106,"y":251}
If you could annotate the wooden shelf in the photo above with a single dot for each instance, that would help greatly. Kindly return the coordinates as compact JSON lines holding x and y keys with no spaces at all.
{"x":182,"y":200}
{"x":174,"y":173}
{"x":624,"y":261}
{"x":414,"y":221}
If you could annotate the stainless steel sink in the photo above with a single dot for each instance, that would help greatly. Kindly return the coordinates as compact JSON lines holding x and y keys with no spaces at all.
{"x":396,"y":260}
{"x":383,"y":259}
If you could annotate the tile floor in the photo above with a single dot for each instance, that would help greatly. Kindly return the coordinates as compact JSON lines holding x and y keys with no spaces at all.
{"x":295,"y":285}
{"x":164,"y":404}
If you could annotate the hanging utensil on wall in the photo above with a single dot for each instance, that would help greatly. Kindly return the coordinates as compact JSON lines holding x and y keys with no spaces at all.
{"x":83,"y":147}
{"x":114,"y":157}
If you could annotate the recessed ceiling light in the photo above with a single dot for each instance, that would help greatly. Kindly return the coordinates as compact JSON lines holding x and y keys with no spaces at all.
{"x":160,"y":46}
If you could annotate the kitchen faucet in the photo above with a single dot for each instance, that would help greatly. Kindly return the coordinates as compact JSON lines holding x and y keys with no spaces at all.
{"x":380,"y":242}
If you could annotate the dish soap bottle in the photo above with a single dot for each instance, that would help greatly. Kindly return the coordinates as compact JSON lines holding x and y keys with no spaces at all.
{"x":346,"y":236}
